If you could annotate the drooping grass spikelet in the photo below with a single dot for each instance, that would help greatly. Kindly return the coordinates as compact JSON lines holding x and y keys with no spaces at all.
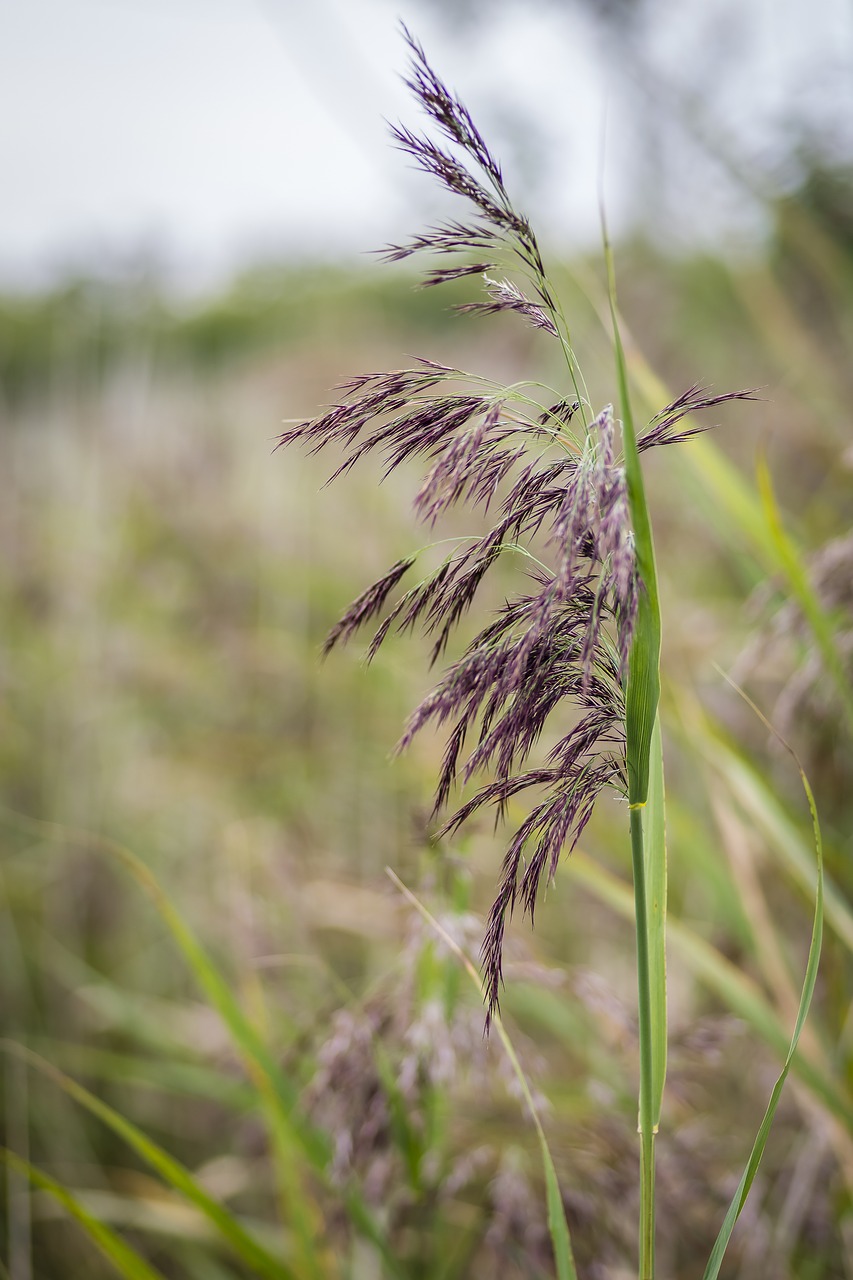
{"x":496,"y":226}
{"x":660,"y":429}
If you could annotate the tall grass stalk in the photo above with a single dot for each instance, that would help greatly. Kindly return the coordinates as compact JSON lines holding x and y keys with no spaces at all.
{"x":642,"y":696}
{"x":588,"y":630}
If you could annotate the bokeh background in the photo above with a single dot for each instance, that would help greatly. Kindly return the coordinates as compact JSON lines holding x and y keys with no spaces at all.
{"x":191,"y":189}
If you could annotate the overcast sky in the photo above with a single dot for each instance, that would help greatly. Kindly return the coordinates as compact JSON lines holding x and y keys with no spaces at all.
{"x":207,"y":132}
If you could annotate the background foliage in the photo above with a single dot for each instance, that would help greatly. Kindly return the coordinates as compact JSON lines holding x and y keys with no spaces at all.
{"x":166,"y":583}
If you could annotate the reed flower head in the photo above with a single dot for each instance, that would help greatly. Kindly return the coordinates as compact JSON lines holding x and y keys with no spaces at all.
{"x":550,"y":473}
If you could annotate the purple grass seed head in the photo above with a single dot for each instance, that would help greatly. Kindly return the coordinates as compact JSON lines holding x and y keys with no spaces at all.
{"x":558,"y":497}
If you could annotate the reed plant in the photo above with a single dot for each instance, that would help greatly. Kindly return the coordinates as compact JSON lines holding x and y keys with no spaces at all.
{"x":574,"y":655}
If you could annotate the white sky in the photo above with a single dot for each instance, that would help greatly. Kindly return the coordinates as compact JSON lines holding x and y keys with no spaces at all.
{"x":208,"y":131}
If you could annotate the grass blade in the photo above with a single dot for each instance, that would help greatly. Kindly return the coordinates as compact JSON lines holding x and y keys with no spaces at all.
{"x":784,"y":837}
{"x":712,"y":1270}
{"x":124,"y":1258}
{"x":169,"y":1076}
{"x":170,"y":1170}
{"x":737,"y":510}
{"x":642,"y":695}
{"x":810,"y":605}
{"x":279,"y":1095}
{"x":720,"y":975}
{"x":654,"y":842}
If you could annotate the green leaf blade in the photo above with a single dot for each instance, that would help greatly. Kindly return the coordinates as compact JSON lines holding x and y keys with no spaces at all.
{"x":124,"y":1258}
{"x":715,"y":1261}
{"x":170,"y":1170}
{"x":654,"y":833}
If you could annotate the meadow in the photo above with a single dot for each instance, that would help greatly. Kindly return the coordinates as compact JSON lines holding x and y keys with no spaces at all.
{"x":233,"y":1045}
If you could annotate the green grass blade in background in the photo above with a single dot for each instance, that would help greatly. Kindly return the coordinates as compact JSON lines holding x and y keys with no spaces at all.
{"x":718,"y":484}
{"x":784,"y":838}
{"x":125,"y":1259}
{"x":720,"y":975}
{"x":166,"y":1076}
{"x":558,"y":1227}
{"x":739,"y":512}
{"x":654,"y":847}
{"x":290,"y":1135}
{"x":170,"y":1170}
{"x":279,"y":1095}
{"x":710,"y":472}
{"x":742,"y":511}
{"x":811,"y":607}
{"x":739,"y":1199}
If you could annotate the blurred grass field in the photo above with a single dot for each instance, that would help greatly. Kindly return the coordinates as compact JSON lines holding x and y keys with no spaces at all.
{"x":167,"y":580}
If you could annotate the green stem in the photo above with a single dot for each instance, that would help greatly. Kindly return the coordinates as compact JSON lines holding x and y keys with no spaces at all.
{"x":642,"y":695}
{"x":644,"y":1006}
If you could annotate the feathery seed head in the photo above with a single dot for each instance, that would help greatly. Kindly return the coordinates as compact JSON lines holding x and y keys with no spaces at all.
{"x":565,"y":641}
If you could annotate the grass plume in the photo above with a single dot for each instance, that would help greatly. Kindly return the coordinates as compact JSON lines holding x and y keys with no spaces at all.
{"x":549,"y":470}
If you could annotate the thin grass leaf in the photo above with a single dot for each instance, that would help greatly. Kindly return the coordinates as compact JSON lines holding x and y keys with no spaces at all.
{"x":728,"y":495}
{"x":181,"y":1228}
{"x":124,"y":1258}
{"x":784,"y":838}
{"x":687,"y":829}
{"x":184,"y":1079}
{"x":643,"y":689}
{"x":803,"y":592}
{"x":642,"y":695}
{"x":575,"y":1028}
{"x":409,"y":1142}
{"x":557,"y":1224}
{"x":297,"y":1207}
{"x":739,"y":1199}
{"x":654,"y":847}
{"x":713,"y":476}
{"x":153,"y":1024}
{"x":172,"y":1172}
{"x":279,"y":1094}
{"x":739,"y":512}
{"x":737,"y":991}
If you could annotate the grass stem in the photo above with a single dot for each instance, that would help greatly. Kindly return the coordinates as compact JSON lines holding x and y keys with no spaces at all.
{"x":644,"y":1007}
